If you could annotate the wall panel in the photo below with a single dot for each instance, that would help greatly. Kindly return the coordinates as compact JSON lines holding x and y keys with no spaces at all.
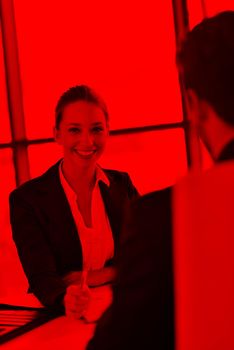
{"x":125,"y":50}
{"x":5,"y":134}
{"x":210,"y":8}
{"x":11,"y":273}
{"x":153,"y":159}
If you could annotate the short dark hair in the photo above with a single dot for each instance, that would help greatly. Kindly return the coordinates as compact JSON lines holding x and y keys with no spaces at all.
{"x":206,"y":59}
{"x":78,"y":93}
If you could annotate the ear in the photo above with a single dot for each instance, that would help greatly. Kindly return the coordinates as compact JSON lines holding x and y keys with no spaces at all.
{"x":193,"y":100}
{"x":193,"y":104}
{"x":57,"y":135}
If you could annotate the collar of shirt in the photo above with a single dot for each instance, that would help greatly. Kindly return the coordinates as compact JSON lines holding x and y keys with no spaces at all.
{"x":227,"y":152}
{"x":100,"y":176}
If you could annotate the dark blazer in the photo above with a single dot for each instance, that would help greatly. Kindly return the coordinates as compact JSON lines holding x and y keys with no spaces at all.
{"x":45,"y":233}
{"x":141,"y":316}
{"x":142,"y":313}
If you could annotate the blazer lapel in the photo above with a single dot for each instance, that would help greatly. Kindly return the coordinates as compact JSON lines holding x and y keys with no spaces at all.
{"x":59,"y":212}
{"x":112,"y":201}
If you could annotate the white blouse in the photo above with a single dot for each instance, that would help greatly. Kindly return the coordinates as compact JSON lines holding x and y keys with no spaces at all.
{"x":96,"y":241}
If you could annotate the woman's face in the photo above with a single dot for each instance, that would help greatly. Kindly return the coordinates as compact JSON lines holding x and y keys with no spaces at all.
{"x":83,"y":133}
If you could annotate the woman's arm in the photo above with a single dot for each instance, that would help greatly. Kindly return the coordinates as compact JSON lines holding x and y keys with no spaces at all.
{"x":132,"y":190}
{"x":95,"y":278}
{"x":99,"y":277}
{"x":34,"y":253}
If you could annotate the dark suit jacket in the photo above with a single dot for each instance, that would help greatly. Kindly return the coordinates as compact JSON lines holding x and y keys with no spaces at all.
{"x":141,"y":316}
{"x":45,"y":233}
{"x":142,"y":313}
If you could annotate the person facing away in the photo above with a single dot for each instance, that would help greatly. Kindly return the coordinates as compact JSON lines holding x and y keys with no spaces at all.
{"x":66,"y":222}
{"x":142,"y":312}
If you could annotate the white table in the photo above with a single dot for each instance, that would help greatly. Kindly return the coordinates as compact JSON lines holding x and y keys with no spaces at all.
{"x":59,"y":334}
{"x":62,"y":333}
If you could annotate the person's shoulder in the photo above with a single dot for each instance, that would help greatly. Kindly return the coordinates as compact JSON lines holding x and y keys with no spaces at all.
{"x":149,"y":216}
{"x":153,"y":201}
{"x":152,"y":198}
{"x":118,"y":178}
{"x":37,"y":183}
{"x":115,"y":174}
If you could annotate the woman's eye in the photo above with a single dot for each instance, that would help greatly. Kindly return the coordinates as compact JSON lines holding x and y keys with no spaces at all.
{"x":97,"y":129}
{"x":74,"y":130}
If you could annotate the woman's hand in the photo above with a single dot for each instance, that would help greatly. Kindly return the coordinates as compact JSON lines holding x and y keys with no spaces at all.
{"x":73,"y":277}
{"x":76,"y":300}
{"x":95,"y":278}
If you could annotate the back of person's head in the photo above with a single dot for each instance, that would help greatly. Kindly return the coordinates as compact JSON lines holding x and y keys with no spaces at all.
{"x":78,"y":93}
{"x":206,"y":59}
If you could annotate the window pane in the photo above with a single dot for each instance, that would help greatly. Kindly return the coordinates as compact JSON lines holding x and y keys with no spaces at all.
{"x":207,"y":161}
{"x":5,"y":134}
{"x":216,"y":6}
{"x":154,"y":159}
{"x":42,"y":156}
{"x":212,"y":7}
{"x":195,"y":11}
{"x":11,"y":274}
{"x":7,"y":184}
{"x":126,"y":51}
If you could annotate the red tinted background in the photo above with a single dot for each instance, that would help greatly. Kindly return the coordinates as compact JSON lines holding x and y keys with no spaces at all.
{"x":5,"y":135}
{"x":124,"y":50}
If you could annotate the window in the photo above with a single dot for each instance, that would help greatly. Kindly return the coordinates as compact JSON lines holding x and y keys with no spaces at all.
{"x":5,"y":135}
{"x":125,"y":51}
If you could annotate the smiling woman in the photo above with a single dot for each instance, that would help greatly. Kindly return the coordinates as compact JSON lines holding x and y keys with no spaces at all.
{"x":82,"y":132}
{"x":66,"y":223}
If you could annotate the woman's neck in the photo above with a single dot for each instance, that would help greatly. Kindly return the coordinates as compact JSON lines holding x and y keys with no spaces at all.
{"x":79,"y":178}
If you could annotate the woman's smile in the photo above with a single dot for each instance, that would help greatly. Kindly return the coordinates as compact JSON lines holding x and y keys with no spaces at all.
{"x":83,"y":133}
{"x":85,"y":154}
